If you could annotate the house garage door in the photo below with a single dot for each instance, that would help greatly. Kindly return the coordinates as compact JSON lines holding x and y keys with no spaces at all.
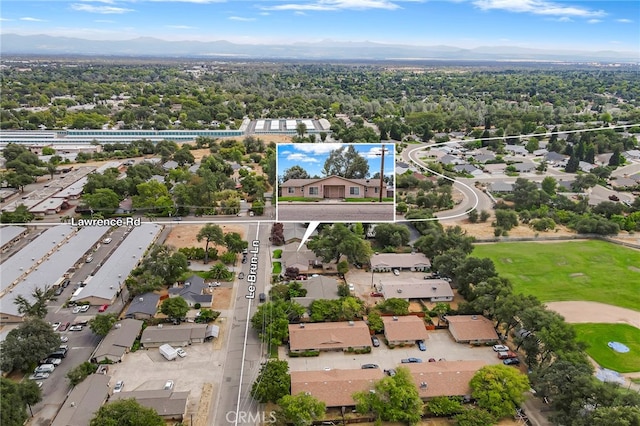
{"x":334,"y":191}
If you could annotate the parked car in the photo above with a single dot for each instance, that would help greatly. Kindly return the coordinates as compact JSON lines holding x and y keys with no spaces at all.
{"x":396,"y":272}
{"x":84,"y":308}
{"x":421,"y":345}
{"x":432,"y":360}
{"x":376,"y":294}
{"x":369,"y":366}
{"x":64,"y":326}
{"x":614,"y":197}
{"x":507,"y":354}
{"x":89,"y":259}
{"x":56,"y":325}
{"x":352,"y":287}
{"x":66,"y":283}
{"x":262,"y":297}
{"x":39,"y":376}
{"x":168,"y":385}
{"x":58,"y":291}
{"x":500,"y":348}
{"x":75,"y":328}
{"x":103,"y":308}
{"x":241,"y":275}
{"x":64,"y":339}
{"x":54,"y":361}
{"x":181,"y":353}
{"x":390,"y":372}
{"x":375,"y":341}
{"x":511,"y":361}
{"x":118,"y":387}
{"x":75,"y":310}
{"x":44,"y":368}
{"x":411,"y":360}
{"x":107,"y":241}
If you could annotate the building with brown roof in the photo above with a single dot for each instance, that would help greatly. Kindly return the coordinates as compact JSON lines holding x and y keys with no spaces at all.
{"x":385,"y":262}
{"x":471,"y":329}
{"x":405,"y":329}
{"x":335,"y":387}
{"x":329,"y":336}
{"x":444,"y":378}
{"x":414,"y":288}
{"x":168,"y":404}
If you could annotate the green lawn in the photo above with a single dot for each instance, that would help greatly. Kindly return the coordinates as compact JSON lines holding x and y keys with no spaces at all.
{"x":277,"y":253}
{"x":277,"y":268}
{"x":578,"y":270}
{"x":598,"y":335}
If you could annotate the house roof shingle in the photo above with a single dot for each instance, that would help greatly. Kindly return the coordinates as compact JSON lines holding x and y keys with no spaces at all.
{"x":414,"y":288}
{"x":465,"y":328}
{"x":444,"y":378}
{"x":399,"y":260}
{"x":404,"y":328}
{"x":328,"y":335}
{"x":335,"y":387}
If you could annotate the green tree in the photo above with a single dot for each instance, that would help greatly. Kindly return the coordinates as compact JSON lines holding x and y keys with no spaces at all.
{"x":162,"y":261}
{"x":19,"y":215}
{"x":30,"y":393}
{"x":395,"y":399}
{"x":342,"y":267}
{"x":346,"y":162}
{"x":444,"y":406}
{"x":174,"y":307}
{"x":27,"y":344}
{"x":390,"y":234}
{"x":549,"y":185}
{"x":14,"y":411}
{"x":395,"y":306}
{"x":499,"y":389}
{"x":234,"y":242}
{"x":126,"y":412}
{"x":210,"y":233}
{"x":506,"y":219}
{"x":474,"y":417}
{"x":301,"y":409}
{"x":273,"y":381}
{"x":81,"y":372}
{"x":271,"y":320}
{"x":375,"y":322}
{"x":37,"y":306}
{"x":102,"y":324}
{"x":103,"y":200}
{"x":295,"y":172}
{"x":337,"y":240}
{"x":220,"y":272}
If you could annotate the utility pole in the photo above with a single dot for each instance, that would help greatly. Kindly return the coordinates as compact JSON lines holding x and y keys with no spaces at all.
{"x":381,"y":172}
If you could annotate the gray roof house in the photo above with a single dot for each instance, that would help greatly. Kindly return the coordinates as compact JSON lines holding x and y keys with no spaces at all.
{"x":118,"y":342}
{"x":586,"y":167}
{"x":143,"y":306}
{"x":168,"y":404}
{"x":451,"y":159}
{"x":524,"y":167}
{"x":174,"y":335}
{"x":413,"y":288}
{"x":468,"y":169}
{"x":83,"y":401}
{"x":385,"y":262}
{"x":170,"y":165}
{"x":192,"y":292}
{"x":320,"y":287}
{"x":516,"y":149}
{"x":555,"y":158}
{"x":501,"y":187}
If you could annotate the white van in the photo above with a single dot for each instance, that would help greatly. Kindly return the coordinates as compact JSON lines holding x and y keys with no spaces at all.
{"x":45,"y":368}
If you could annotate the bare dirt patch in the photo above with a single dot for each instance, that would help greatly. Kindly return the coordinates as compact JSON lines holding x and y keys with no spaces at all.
{"x":586,"y":312}
{"x":221,"y":298}
{"x":203,"y":406}
{"x":485,"y":230}
{"x":186,"y":235}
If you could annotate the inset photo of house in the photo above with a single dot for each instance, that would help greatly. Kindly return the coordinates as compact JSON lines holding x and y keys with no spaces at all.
{"x":335,"y":182}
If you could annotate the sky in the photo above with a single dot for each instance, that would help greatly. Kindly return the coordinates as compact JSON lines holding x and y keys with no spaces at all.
{"x":311,"y":156}
{"x":577,"y":25}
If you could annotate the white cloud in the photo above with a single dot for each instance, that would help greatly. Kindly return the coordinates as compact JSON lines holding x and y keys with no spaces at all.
{"x":30,"y":19}
{"x":241,"y":18}
{"x":374,"y":152}
{"x":537,"y":7}
{"x":104,"y":21}
{"x":625,"y":21}
{"x":105,"y":10}
{"x":285,"y":152}
{"x":594,"y":21}
{"x":5,"y":19}
{"x":564,"y":19}
{"x":302,"y":158}
{"x":330,"y":5}
{"x":318,"y":149}
{"x":181,"y":27}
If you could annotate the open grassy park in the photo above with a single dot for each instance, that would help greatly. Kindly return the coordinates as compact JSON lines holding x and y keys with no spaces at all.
{"x":598,"y":335}
{"x":577,"y":270}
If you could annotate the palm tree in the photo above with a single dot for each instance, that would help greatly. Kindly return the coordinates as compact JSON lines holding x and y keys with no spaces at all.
{"x":37,"y":308}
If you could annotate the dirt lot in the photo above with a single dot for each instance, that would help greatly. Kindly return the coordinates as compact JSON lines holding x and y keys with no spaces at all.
{"x":221,"y":298}
{"x":585,"y":312}
{"x":185,"y":235}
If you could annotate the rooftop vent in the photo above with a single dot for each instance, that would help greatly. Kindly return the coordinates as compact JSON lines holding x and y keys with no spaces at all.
{"x":423,"y":385}
{"x":395,"y":318}
{"x":351,"y":323}
{"x":474,"y":317}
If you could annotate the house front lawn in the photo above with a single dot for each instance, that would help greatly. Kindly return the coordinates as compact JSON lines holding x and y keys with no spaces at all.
{"x":277,"y":268}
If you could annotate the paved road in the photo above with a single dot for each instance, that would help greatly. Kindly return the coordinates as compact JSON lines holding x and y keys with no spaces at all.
{"x":336,"y":212}
{"x":244,"y":350}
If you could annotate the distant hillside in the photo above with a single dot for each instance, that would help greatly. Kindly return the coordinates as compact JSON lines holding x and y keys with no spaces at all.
{"x":13,"y":44}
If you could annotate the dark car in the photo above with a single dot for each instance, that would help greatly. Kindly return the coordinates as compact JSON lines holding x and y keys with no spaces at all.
{"x":262,"y":297}
{"x":241,"y":275}
{"x":390,"y":372}
{"x":376,"y":294}
{"x":411,"y":360}
{"x":511,"y":361}
{"x":614,"y":197}
{"x":421,"y":345}
{"x":375,"y":341}
{"x":58,"y":291}
{"x":66,"y":282}
{"x":368,"y":366}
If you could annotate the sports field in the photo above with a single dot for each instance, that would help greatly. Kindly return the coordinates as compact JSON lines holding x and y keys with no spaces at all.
{"x":577,"y":270}
{"x":598,"y":335}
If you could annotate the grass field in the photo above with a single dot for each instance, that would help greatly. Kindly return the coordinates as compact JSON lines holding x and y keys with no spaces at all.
{"x":598,"y":335}
{"x":579,"y":270}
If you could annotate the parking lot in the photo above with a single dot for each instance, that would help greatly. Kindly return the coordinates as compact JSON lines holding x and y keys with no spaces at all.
{"x":440,"y":345}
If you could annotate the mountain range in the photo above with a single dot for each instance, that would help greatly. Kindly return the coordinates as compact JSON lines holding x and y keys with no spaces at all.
{"x":14,"y":44}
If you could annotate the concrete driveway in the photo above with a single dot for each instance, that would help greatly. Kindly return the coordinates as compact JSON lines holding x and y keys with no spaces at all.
{"x":439,"y":345}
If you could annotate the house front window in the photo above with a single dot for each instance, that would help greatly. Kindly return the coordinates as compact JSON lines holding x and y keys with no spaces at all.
{"x":313,"y":190}
{"x":354,"y":190}
{"x":291,"y":190}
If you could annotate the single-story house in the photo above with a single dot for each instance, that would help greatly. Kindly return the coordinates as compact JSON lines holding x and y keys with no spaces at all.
{"x":294,"y":231}
{"x":553,"y":157}
{"x":471,"y":329}
{"x":386,"y":262}
{"x":118,"y":342}
{"x":540,"y":152}
{"x":451,"y":159}
{"x":320,"y":287}
{"x":524,"y":167}
{"x":632,"y":154}
{"x":495,"y":168}
{"x":623,"y":182}
{"x":516,"y":149}
{"x":444,"y":378}
{"x":335,"y":387}
{"x":585,"y":167}
{"x":144,"y":306}
{"x":170,"y":165}
{"x":332,"y":187}
{"x":329,"y":336}
{"x":303,"y":259}
{"x":84,"y":400}
{"x":193,"y":291}
{"x":483,"y":158}
{"x":168,"y":404}
{"x":501,"y":187}
{"x":434,"y":290}
{"x":468,"y":169}
{"x":603,"y":159}
{"x":404,"y":329}
{"x":174,"y":335}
